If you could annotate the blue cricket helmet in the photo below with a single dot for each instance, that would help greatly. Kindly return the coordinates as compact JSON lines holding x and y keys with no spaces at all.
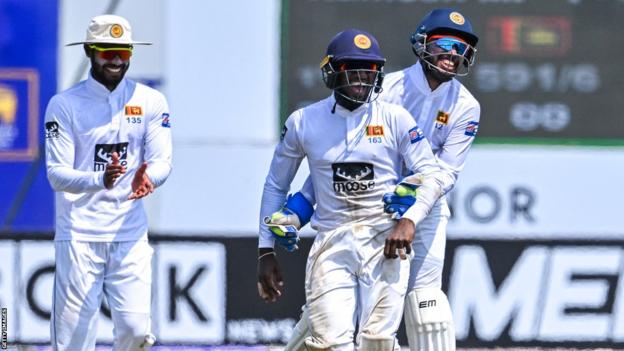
{"x":448,"y":21}
{"x":361,"y":47}
{"x":355,"y":45}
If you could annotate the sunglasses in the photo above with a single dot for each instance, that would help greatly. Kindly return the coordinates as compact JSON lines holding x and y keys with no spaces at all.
{"x":449,"y":44}
{"x":109,"y":54}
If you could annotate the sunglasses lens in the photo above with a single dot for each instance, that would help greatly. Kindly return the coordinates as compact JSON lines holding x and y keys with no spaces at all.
{"x":448,"y":44}
{"x":110,"y":54}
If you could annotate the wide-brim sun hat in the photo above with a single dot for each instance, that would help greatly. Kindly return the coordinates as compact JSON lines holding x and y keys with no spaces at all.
{"x":109,"y":29}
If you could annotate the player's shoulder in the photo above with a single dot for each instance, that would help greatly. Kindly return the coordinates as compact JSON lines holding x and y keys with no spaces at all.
{"x":464,"y":96}
{"x":392,"y":111}
{"x":145,"y":90}
{"x":312,"y":110}
{"x":73,"y":90}
{"x":394,"y":86}
{"x":393,"y":79}
{"x":65,"y":97}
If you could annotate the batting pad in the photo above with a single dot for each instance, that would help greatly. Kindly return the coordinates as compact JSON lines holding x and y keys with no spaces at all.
{"x":301,"y":331}
{"x":429,"y":321}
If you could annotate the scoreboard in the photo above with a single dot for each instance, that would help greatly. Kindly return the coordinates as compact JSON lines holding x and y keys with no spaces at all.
{"x":546,"y":71}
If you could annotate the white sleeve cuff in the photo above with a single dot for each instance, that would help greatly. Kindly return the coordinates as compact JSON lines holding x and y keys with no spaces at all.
{"x":265,"y":242}
{"x":416,"y":213}
{"x":98,"y":180}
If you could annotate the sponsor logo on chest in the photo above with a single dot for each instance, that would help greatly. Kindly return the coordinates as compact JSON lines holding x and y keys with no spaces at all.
{"x":103,"y":154}
{"x":353,"y":177}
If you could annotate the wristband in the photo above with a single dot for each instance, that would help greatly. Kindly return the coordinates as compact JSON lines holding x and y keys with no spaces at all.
{"x":266,"y":254}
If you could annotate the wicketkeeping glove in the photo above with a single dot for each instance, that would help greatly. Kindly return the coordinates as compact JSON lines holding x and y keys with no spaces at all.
{"x":285,"y":223}
{"x":403,"y":197}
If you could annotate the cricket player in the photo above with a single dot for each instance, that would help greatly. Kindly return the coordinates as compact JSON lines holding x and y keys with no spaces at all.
{"x":444,"y":43}
{"x":356,"y":148}
{"x":108,"y":144}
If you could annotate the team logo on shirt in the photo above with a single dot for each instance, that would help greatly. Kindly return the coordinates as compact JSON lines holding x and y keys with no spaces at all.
{"x":353,"y":177}
{"x":165,"y":120}
{"x":442,"y":117}
{"x":52,"y":130}
{"x":103,"y":155}
{"x":374,"y":131}
{"x":134,"y":111}
{"x":283,"y":134}
{"x":472,"y":128}
{"x":416,"y":135}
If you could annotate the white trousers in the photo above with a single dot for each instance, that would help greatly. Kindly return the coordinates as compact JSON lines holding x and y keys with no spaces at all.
{"x":85,"y":272}
{"x":348,"y":279}
{"x":428,"y":247}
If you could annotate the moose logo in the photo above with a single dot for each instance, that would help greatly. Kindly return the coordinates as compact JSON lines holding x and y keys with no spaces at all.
{"x":103,"y":155}
{"x":351,"y":177}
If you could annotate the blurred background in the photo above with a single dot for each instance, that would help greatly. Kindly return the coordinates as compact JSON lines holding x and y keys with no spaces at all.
{"x":535,"y":254}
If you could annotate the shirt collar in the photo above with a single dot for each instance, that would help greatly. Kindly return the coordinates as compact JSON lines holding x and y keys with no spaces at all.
{"x":417,"y":77}
{"x":343,"y":112}
{"x":98,"y":89}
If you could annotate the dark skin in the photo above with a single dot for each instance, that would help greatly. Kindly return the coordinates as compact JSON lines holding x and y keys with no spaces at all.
{"x":400,"y":240}
{"x":270,"y":282}
{"x":110,"y":73}
{"x":446,"y":62}
{"x":401,"y":237}
{"x":113,"y":171}
{"x":353,"y":91}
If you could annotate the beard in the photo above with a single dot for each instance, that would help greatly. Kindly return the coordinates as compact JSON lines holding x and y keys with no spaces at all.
{"x":109,"y":74}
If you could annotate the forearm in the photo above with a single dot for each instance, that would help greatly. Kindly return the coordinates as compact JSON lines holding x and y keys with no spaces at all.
{"x":158,"y":172}
{"x":428,"y":193}
{"x":74,"y":181}
{"x":448,"y":177}
{"x":272,"y":200}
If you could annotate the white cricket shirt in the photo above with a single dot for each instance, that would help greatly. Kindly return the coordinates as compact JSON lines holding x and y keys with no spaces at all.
{"x":84,"y":126}
{"x":354,"y":158}
{"x":449,"y":116}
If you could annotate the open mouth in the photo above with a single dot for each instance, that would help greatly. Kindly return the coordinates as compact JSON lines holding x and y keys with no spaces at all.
{"x":113,"y":69}
{"x":358,"y":90}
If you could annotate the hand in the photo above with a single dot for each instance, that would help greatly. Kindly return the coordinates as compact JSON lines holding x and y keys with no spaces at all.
{"x":400,"y":239}
{"x":141,"y":184}
{"x":269,"y":276}
{"x":284,"y":225}
{"x":113,"y":171}
{"x":403,"y":197}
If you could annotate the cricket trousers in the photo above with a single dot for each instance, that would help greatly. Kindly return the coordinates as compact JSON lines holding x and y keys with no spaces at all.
{"x":348,"y":280}
{"x":88,"y":271}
